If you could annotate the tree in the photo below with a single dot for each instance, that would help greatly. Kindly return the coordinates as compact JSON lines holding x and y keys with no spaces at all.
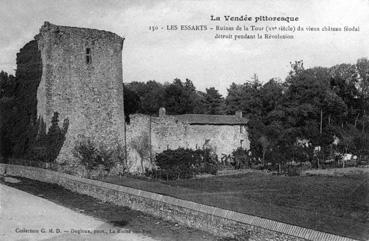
{"x":265,"y":143}
{"x":234,"y":98}
{"x":56,"y":137}
{"x":310,"y":98}
{"x":213,"y":101}
{"x":7,"y":97}
{"x":180,"y":98}
{"x":347,"y":136}
{"x":271,"y":94}
{"x":45,"y":146}
{"x":27,"y":78}
{"x":132,"y":103}
{"x":151,"y":96}
{"x":362,"y":66}
{"x":154,"y":98}
{"x":7,"y":85}
{"x":244,"y":97}
{"x":200,"y":107}
{"x":344,"y":82}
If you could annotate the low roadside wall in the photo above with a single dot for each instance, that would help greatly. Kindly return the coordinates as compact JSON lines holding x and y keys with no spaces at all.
{"x":215,"y":220}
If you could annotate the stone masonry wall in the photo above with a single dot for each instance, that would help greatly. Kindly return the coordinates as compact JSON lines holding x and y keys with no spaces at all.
{"x":82,"y":81}
{"x":222,"y":138}
{"x":168,"y":133}
{"x":165,"y":132}
{"x":211,"y":219}
{"x":138,"y":143}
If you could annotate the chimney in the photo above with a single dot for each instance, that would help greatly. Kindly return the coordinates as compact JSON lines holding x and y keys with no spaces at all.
{"x":161,"y":112}
{"x":238,"y":114}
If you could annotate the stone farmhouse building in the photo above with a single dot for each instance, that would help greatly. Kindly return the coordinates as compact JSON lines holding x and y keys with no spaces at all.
{"x":221,"y":133}
{"x":82,"y":80}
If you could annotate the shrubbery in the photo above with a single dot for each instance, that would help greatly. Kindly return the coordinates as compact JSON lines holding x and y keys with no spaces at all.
{"x":241,"y":158}
{"x":99,"y":160}
{"x":184,"y":163}
{"x":46,"y":146}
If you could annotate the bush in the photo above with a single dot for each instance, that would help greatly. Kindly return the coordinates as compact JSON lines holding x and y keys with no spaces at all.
{"x":241,"y":158}
{"x":184,"y":163}
{"x":293,"y":170}
{"x":46,"y":146}
{"x":98,"y":160}
{"x":208,"y":163}
{"x":39,"y":153}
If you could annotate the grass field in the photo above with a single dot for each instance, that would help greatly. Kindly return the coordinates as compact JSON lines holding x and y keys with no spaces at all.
{"x":338,"y":205}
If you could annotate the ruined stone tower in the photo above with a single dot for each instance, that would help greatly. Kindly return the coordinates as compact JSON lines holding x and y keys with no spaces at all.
{"x":82,"y":81}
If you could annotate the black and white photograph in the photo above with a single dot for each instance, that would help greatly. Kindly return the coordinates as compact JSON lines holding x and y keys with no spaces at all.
{"x":193,"y":120}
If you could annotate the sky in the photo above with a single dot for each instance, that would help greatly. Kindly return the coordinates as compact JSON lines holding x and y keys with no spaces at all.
{"x":165,"y":55}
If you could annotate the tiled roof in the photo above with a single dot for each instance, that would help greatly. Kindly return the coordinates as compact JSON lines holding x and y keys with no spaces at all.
{"x":202,"y":119}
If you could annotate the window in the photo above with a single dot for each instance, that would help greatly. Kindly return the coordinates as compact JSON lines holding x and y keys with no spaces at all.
{"x":88,"y":56}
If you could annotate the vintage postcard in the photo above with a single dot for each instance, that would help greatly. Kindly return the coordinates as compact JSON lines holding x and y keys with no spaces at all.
{"x":184,"y":120}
